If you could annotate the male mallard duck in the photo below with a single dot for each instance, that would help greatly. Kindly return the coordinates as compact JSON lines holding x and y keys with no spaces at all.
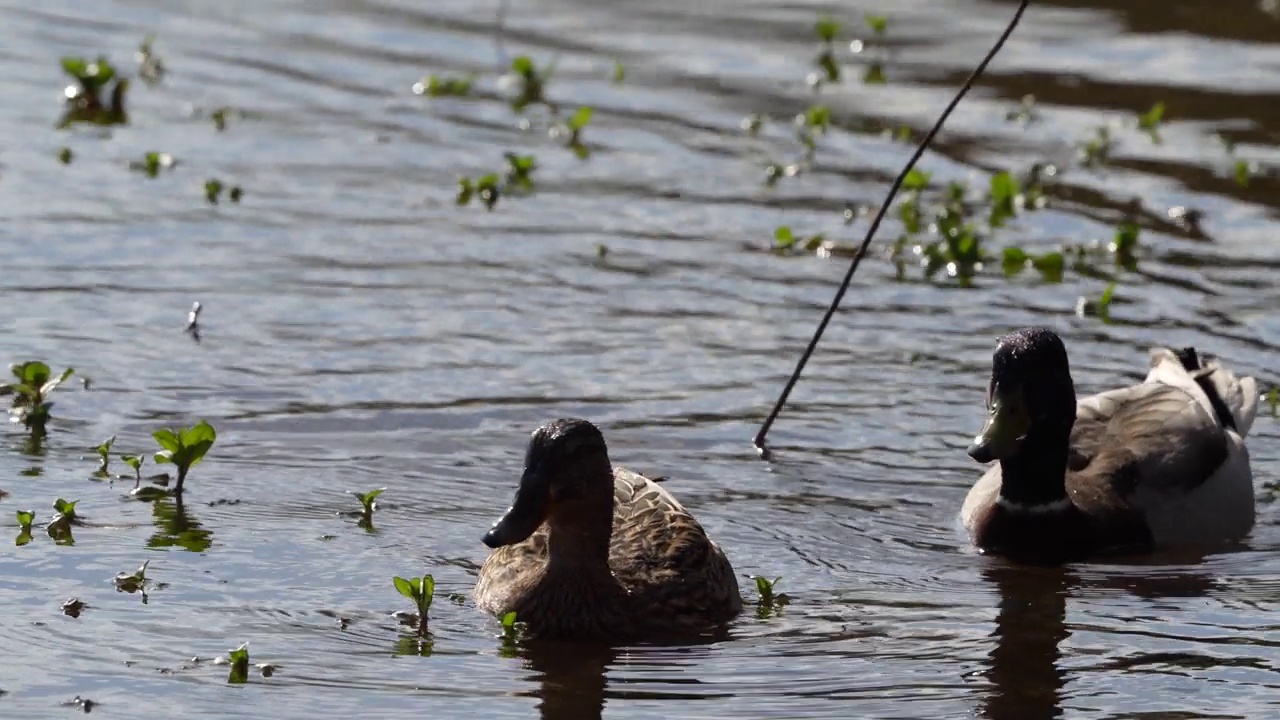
{"x":590,"y":551}
{"x":1156,"y":465}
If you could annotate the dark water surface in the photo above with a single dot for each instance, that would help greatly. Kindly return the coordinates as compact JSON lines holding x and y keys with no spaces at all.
{"x":361,"y":330}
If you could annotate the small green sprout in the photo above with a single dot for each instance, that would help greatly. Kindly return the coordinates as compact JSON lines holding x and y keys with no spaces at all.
{"x":235,"y":194}
{"x":786,"y":241}
{"x":533,"y":82}
{"x":1100,"y":308}
{"x":511,"y":631}
{"x":239,"y":661}
{"x":1243,"y":170}
{"x":150,"y":67}
{"x":576,"y":123}
{"x":64,"y":156}
{"x":1050,"y":265}
{"x":212,"y":190}
{"x":421,"y":591}
{"x":486,"y":188}
{"x":519,"y":170}
{"x":619,"y":72}
{"x":59,"y":528}
{"x":1150,"y":120}
{"x":1273,"y":399}
{"x":25,"y":519}
{"x":434,"y":86}
{"x":902,"y":135}
{"x":368,"y":503}
{"x":826,"y":29}
{"x":104,"y":455}
{"x":1097,"y":150}
{"x":184,"y":447}
{"x":769,"y":601}
{"x":133,"y":582}
{"x":220,"y":117}
{"x":66,"y":508}
{"x":874,"y":74}
{"x":152,"y":163}
{"x":877,"y":24}
{"x":1125,"y":244}
{"x":85,"y":99}
{"x":1006,"y":197}
{"x":602,"y":250}
{"x":135,"y":462}
{"x":31,"y":394}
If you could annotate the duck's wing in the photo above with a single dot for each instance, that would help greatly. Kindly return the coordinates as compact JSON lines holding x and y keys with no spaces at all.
{"x":1166,"y":435}
{"x":661,"y":553}
{"x":507,"y":570}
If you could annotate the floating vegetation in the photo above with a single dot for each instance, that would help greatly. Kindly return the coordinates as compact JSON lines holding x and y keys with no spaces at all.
{"x":573,"y":128}
{"x":786,"y":242}
{"x":31,"y":403}
{"x":1149,"y":121}
{"x":486,"y":187}
{"x":238,"y":659}
{"x":175,"y":527}
{"x":1125,"y":245}
{"x":185,"y":448}
{"x":511,"y":633}
{"x":222,"y":115}
{"x":65,"y":156}
{"x":59,"y":528}
{"x":1242,"y":171}
{"x":152,"y":163}
{"x":25,"y":520}
{"x":1051,"y":265}
{"x":368,"y":503}
{"x":134,"y":462}
{"x":878,"y":24}
{"x":532,"y":83}
{"x":619,"y":72}
{"x":421,"y":591}
{"x":133,"y":582}
{"x":439,"y":86}
{"x":1096,"y":151}
{"x":814,"y":121}
{"x":84,"y":100}
{"x":150,"y":66}
{"x":213,"y":191}
{"x":1273,"y":400}
{"x":1100,"y":307}
{"x":769,"y":601}
{"x":518,"y":179}
{"x":829,"y":70}
{"x":104,"y":456}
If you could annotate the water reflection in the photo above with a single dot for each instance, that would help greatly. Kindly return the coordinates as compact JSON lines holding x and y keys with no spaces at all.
{"x":1029,"y":628}
{"x":571,"y":680}
{"x":175,"y":527}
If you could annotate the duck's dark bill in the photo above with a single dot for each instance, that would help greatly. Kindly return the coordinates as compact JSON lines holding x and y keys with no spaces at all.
{"x":523,"y":517}
{"x":1006,"y":426}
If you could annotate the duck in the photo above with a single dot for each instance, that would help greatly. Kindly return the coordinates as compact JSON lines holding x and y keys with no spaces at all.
{"x":592,"y":552}
{"x":1159,"y":465}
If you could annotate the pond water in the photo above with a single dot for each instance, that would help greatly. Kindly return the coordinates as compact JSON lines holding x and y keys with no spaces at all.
{"x":362,"y":330}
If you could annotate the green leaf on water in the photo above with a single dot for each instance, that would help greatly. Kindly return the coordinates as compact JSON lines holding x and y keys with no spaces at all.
{"x":509,"y":621}
{"x":465,"y":191}
{"x":1014,"y":260}
{"x":1051,"y":266}
{"x":619,"y":72}
{"x":580,"y":118}
{"x":916,"y":180}
{"x":212,"y":190}
{"x":406,"y":587}
{"x":1242,"y":173}
{"x":367,"y":499}
{"x":523,"y":66}
{"x":783,"y":237}
{"x":1150,"y":120}
{"x":239,"y":660}
{"x":65,"y":508}
{"x":25,"y":518}
{"x":878,"y":24}
{"x":1126,"y":239}
{"x":64,"y":156}
{"x":827,"y":29}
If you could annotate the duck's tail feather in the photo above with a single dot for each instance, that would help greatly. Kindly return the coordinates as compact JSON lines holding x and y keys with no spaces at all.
{"x":1233,"y":400}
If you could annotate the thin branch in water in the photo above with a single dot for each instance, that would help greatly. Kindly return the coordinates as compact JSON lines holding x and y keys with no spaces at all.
{"x":875,"y":225}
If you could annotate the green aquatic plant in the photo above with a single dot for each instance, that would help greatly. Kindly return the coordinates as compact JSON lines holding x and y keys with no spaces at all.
{"x":65,"y":156}
{"x":135,"y":462}
{"x":1096,"y":150}
{"x":575,"y":125}
{"x":826,"y":28}
{"x":769,"y":601}
{"x":184,"y":447}
{"x":1051,"y":265}
{"x":814,"y":121}
{"x":752,"y":123}
{"x":1125,"y":245}
{"x":84,"y":100}
{"x":31,"y":403}
{"x":877,"y":24}
{"x":787,"y":242}
{"x":439,"y":86}
{"x":1149,"y":121}
{"x":520,"y":170}
{"x":511,"y":632}
{"x":619,"y":72}
{"x":212,"y":190}
{"x":220,"y":117}
{"x":1242,"y":171}
{"x":368,"y":503}
{"x":486,"y":188}
{"x":533,"y":82}
{"x":150,"y":66}
{"x":25,"y":520}
{"x":238,"y":659}
{"x":152,"y":163}
{"x":135,"y":581}
{"x":1006,"y":198}
{"x":1099,"y":308}
{"x":1273,"y":400}
{"x":104,"y":455}
{"x":59,"y":528}
{"x":421,"y":591}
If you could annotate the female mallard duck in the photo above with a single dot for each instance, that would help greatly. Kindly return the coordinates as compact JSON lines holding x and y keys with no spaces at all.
{"x":1156,"y":465}
{"x":590,"y":551}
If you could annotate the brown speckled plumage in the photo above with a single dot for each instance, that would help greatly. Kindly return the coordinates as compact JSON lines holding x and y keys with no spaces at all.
{"x":630,"y":564}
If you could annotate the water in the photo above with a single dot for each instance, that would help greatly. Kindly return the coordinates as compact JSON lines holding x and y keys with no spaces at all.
{"x":360,"y":330}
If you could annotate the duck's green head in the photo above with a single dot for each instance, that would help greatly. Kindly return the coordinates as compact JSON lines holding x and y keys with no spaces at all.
{"x":1030,"y":389}
{"x":566,"y":460}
